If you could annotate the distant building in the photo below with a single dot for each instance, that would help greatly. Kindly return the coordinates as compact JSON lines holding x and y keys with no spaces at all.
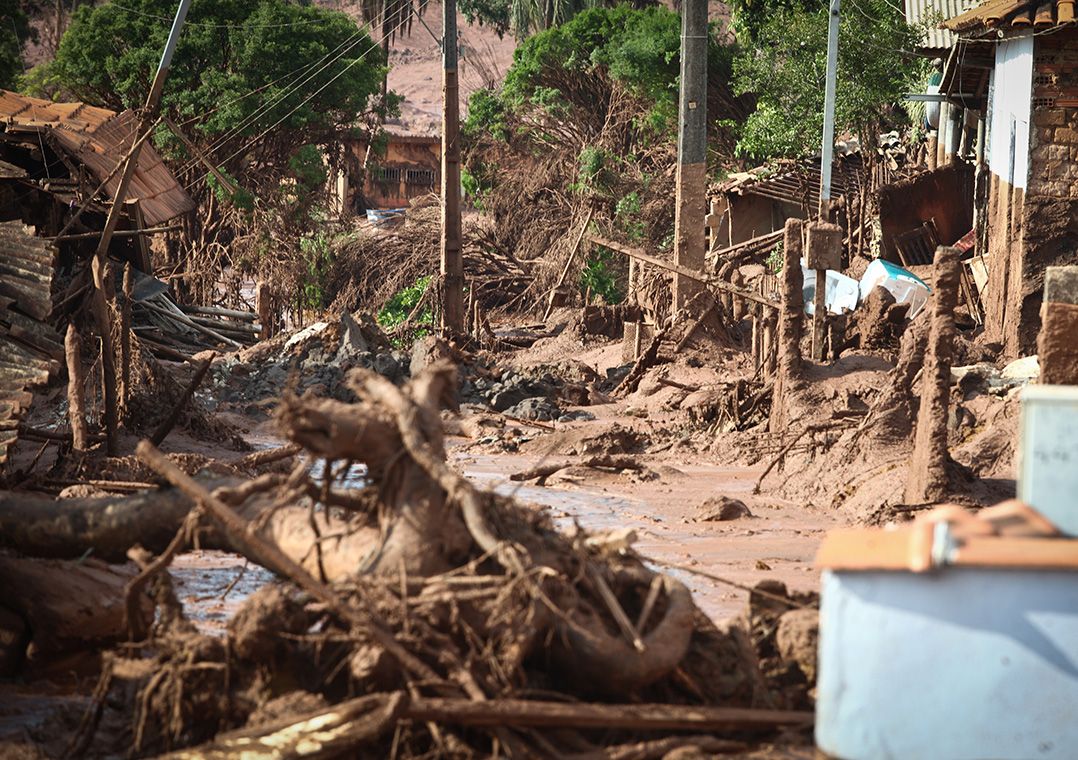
{"x":409,"y":168}
{"x":1016,"y":64}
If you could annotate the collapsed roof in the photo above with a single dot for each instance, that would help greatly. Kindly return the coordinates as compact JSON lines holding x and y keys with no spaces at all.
{"x":98,"y":140}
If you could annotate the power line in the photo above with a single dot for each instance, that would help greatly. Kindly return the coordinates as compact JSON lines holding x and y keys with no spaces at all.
{"x":292,"y":88}
{"x":212,"y":25}
{"x":303,"y":102}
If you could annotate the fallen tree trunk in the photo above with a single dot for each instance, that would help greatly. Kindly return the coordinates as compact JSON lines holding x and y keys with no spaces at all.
{"x":639,"y":717}
{"x":106,"y":526}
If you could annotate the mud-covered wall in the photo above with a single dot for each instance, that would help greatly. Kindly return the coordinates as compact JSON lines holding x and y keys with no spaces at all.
{"x":944,"y":195}
{"x":1050,"y":211}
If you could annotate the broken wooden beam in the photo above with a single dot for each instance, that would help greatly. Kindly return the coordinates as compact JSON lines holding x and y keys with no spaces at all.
{"x":693,"y":274}
{"x":639,"y":717}
{"x":170,"y":421}
{"x":118,"y":234}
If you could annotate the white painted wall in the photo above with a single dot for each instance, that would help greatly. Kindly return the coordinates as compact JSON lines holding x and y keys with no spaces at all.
{"x":1012,"y":93}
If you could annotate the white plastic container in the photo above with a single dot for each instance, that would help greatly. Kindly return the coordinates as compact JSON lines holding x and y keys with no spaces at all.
{"x":1048,"y":455}
{"x":840,"y":292}
{"x":903,"y":284}
{"x":958,"y":663}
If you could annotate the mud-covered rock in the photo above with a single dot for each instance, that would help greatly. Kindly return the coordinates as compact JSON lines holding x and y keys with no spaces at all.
{"x":796,"y":638}
{"x":880,"y":320}
{"x":537,"y":408}
{"x":426,"y":351}
{"x":721,"y":509}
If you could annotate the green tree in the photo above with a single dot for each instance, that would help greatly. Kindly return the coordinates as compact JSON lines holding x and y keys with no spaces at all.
{"x":786,"y":68}
{"x":570,"y":72}
{"x":14,"y":30}
{"x":750,"y":16}
{"x":267,"y":89}
{"x":525,"y":17}
{"x":244,"y":70}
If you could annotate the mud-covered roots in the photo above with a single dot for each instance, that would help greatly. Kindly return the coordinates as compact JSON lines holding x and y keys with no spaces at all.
{"x":458,"y":595}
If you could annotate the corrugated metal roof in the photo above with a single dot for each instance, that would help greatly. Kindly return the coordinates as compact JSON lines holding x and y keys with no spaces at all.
{"x":1015,"y":14}
{"x":796,"y":181}
{"x":933,"y":12}
{"x":99,"y":138}
{"x":29,"y":347}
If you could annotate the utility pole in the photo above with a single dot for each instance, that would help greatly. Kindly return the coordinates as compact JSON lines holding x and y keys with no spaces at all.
{"x":452,"y":268}
{"x":827,"y":149}
{"x":691,"y":206}
{"x":102,"y":286}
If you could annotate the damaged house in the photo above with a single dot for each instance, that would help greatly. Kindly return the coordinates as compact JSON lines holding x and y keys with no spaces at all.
{"x":58,"y":172}
{"x":1016,"y":63}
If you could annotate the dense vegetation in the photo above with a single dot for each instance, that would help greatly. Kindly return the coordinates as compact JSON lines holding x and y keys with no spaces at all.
{"x":587,"y":119}
{"x":784,"y":64}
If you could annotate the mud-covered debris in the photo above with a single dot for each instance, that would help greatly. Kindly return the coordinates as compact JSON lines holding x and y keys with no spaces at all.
{"x":796,"y":638}
{"x":721,"y":509}
{"x":539,"y":408}
{"x":881,"y":320}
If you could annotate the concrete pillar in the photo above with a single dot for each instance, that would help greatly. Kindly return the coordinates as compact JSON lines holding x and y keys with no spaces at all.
{"x":928,"y":480}
{"x":1057,"y":342}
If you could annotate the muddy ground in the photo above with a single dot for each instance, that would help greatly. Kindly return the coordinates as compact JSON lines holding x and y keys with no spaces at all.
{"x":677,"y":463}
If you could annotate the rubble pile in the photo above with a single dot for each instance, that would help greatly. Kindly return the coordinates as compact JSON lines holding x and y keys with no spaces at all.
{"x":417,"y":615}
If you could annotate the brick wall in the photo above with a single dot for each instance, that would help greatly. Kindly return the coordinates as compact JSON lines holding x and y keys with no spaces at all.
{"x":1053,"y":157}
{"x":1050,"y":209}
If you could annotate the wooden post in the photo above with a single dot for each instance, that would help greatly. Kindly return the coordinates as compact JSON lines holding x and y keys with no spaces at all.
{"x":789,"y":370}
{"x":452,"y":264}
{"x":76,"y":409}
{"x":691,"y":201}
{"x":769,"y":348}
{"x":125,"y":339}
{"x":824,"y":251}
{"x":264,"y":307}
{"x":737,"y":305}
{"x":928,"y":479}
{"x":102,"y":288}
{"x":757,"y":336}
{"x":99,"y":303}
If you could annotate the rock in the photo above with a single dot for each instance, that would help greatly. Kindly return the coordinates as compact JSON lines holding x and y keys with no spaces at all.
{"x":796,"y":639}
{"x":386,"y":364}
{"x":1022,"y":370}
{"x":352,"y":337}
{"x":426,"y":351}
{"x":721,"y":509}
{"x":578,"y":415}
{"x":535,"y":408}
{"x":880,"y":320}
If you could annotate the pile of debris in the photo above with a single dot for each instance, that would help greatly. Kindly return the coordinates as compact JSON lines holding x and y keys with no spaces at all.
{"x":417,"y":614}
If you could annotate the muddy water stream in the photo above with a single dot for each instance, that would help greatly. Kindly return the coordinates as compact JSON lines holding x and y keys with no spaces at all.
{"x":778,"y":541}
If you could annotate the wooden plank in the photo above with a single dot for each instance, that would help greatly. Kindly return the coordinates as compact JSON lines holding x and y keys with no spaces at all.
{"x":692,"y":274}
{"x":640,"y":717}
